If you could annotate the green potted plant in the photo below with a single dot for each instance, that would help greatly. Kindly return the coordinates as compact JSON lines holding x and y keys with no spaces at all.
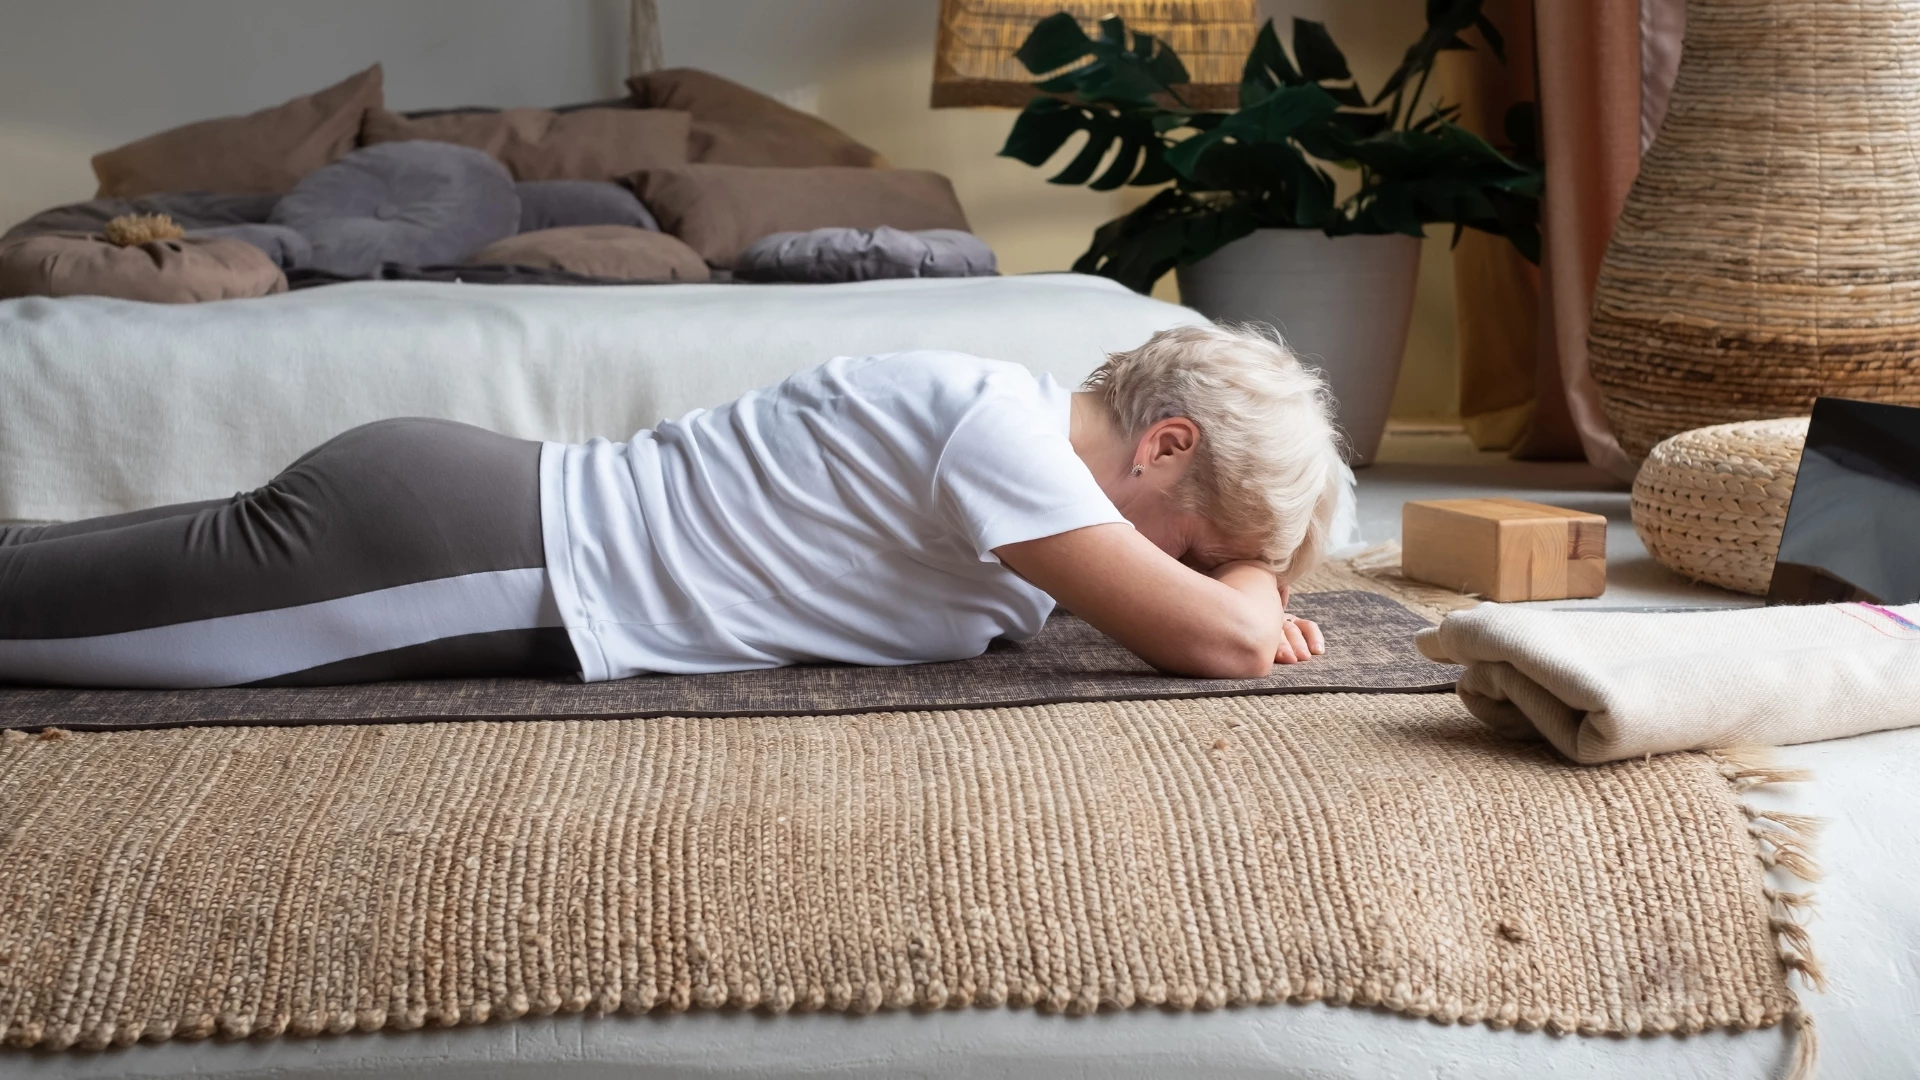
{"x":1250,"y":216}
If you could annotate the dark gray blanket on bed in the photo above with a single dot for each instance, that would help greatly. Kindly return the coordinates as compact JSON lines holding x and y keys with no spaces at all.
{"x":308,"y":277}
{"x":190,"y":210}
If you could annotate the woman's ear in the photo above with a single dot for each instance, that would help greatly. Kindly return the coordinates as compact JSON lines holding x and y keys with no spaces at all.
{"x":1167,"y":442}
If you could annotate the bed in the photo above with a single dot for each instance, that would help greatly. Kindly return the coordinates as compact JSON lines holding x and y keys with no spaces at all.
{"x":109,"y":405}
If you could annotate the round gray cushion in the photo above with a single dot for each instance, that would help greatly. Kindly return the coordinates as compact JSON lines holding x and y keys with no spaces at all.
{"x":417,"y":203}
{"x":288,"y":248}
{"x":564,"y":204}
{"x":825,"y":256}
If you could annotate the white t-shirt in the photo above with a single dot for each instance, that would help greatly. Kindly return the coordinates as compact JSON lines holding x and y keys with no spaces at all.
{"x":847,"y":514}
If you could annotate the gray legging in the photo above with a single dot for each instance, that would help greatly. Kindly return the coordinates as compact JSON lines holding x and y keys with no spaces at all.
{"x":401,"y":549}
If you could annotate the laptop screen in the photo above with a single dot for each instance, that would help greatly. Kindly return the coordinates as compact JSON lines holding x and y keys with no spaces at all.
{"x":1853,"y":528}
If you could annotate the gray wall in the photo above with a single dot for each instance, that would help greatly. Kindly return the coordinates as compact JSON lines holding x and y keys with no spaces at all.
{"x":80,"y":76}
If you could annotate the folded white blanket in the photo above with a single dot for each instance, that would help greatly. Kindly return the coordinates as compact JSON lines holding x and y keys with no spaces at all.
{"x":1605,"y":685}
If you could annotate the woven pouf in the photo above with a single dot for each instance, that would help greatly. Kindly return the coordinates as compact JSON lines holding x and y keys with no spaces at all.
{"x":1710,"y":503}
{"x":1769,"y":251}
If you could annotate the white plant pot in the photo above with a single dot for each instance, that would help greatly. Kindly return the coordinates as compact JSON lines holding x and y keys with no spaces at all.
{"x":1343,"y":303}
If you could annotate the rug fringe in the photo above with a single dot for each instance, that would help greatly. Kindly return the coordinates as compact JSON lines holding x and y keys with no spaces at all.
{"x":1785,"y":842}
{"x":1380,"y":558}
{"x":1752,"y":766}
{"x":1806,"y":1049}
{"x":1805,"y":824}
{"x":1792,"y":901}
{"x":1381,"y":563}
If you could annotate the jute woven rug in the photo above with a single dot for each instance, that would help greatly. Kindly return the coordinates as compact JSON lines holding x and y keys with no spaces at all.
{"x":1377,"y":849}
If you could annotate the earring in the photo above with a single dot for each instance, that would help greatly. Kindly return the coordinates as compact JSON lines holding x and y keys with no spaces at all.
{"x":1139,"y":470}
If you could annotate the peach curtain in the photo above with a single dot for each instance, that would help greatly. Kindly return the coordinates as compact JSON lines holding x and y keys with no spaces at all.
{"x":1662,"y":24}
{"x":1601,"y":72}
{"x":1589,"y":64}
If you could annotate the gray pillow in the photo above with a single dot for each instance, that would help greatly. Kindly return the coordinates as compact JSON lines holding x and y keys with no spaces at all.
{"x":825,"y":256}
{"x":564,"y":204}
{"x":189,"y":209}
{"x":286,"y":247}
{"x":420,"y":203}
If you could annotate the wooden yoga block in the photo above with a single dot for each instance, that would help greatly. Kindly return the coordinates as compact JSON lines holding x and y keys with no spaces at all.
{"x":1504,"y":549}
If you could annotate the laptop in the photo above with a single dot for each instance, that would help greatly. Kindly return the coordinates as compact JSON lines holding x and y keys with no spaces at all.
{"x":1853,"y":527}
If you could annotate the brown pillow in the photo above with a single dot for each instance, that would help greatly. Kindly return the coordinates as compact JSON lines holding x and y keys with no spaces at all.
{"x":178,"y":271}
{"x":539,"y":144}
{"x":720,"y":209}
{"x":269,"y":150}
{"x":608,"y":251}
{"x":733,"y":125}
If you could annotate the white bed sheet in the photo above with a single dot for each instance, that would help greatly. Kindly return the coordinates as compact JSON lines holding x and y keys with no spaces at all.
{"x":111,"y":405}
{"x":1866,"y":933}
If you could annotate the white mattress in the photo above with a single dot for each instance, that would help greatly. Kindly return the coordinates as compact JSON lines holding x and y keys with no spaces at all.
{"x":111,"y":405}
{"x":1867,"y":933}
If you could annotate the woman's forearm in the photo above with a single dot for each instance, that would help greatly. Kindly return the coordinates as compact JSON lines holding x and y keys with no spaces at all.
{"x":1228,"y":626}
{"x":1225,"y":626}
{"x":1261,"y":615}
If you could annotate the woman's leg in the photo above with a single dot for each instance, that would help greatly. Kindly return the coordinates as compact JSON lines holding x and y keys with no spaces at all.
{"x":402,"y":549}
{"x":24,"y":534}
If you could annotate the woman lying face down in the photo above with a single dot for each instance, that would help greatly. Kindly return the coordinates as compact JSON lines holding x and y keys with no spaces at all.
{"x":877,"y":510}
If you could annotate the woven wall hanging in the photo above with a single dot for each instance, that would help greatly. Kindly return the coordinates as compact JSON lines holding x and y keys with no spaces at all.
{"x":973,"y":60}
{"x":1769,"y":251}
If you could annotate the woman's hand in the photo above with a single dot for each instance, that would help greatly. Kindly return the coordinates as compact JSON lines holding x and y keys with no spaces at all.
{"x":1300,"y":639}
{"x":1302,"y":642}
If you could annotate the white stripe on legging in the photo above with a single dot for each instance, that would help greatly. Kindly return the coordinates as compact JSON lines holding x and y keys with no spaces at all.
{"x":235,"y":649}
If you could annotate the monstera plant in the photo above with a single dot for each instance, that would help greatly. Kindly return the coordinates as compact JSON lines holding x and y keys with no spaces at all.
{"x":1270,"y":163}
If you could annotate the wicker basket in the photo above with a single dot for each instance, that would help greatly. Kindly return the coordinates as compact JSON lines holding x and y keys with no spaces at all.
{"x":1710,"y":503}
{"x":1769,"y":251}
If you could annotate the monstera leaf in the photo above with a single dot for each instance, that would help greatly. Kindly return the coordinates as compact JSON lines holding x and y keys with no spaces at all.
{"x":1276,"y":119}
{"x":1253,"y":154}
{"x":1321,"y":63}
{"x":1046,"y":125}
{"x":1115,"y":99}
{"x":1171,"y":229}
{"x":1444,"y":173}
{"x":1119,"y":72}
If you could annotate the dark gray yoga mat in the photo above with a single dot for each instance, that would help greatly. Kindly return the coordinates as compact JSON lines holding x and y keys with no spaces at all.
{"x":1369,"y":650}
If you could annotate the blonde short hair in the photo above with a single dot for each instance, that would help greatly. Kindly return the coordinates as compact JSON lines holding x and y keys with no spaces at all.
{"x":1269,"y":463}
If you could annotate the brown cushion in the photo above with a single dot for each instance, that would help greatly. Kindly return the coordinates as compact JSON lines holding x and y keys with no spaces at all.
{"x":269,"y":150}
{"x":539,"y":144}
{"x":733,"y":125}
{"x":179,"y":271}
{"x":608,"y":251}
{"x":720,"y":209}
